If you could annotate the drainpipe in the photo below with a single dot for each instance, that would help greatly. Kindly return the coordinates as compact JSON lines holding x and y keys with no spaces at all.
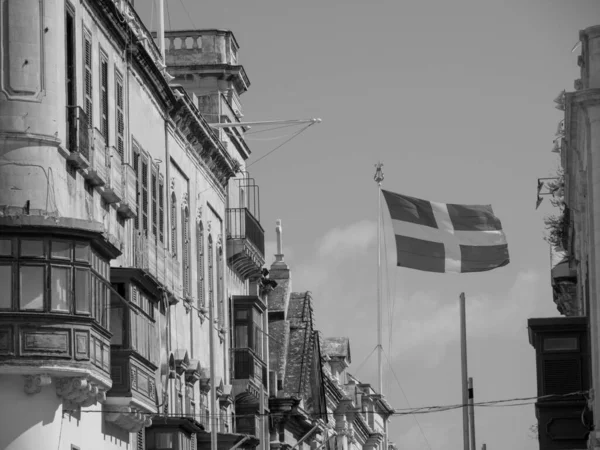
{"x":306,"y":436}
{"x":240,"y":443}
{"x":213,"y":381}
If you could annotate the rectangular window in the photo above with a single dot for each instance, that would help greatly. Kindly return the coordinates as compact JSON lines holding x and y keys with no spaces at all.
{"x":82,"y":252}
{"x":87,"y":76}
{"x":31,"y":287}
{"x":145,"y":195}
{"x":161,"y":209}
{"x":61,"y":250}
{"x":241,"y":336}
{"x":104,"y":95}
{"x":60,"y":278}
{"x":5,"y":247}
{"x":70,"y":57}
{"x":32,"y":248}
{"x":82,"y":291}
{"x":154,"y":189}
{"x":116,"y":324}
{"x":7,"y":287}
{"x":119,"y":115}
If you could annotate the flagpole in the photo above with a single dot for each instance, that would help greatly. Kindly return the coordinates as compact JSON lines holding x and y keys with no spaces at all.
{"x":378,"y":179}
{"x":463,"y":360}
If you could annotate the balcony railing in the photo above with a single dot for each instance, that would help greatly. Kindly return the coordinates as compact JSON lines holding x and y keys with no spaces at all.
{"x":78,"y":137}
{"x":241,"y":224}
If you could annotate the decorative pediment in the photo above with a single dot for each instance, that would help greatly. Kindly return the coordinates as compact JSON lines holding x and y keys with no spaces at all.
{"x":182,"y":360}
{"x":192,"y":373}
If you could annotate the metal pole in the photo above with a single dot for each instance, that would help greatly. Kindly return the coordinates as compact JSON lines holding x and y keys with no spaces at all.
{"x":264,"y":123}
{"x":378,"y":179}
{"x":471,"y":414}
{"x":213,"y":381}
{"x":463,"y":373}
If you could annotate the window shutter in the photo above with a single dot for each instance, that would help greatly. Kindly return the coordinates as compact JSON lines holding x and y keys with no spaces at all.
{"x":145,"y":195}
{"x":136,"y":169}
{"x":120,"y":125}
{"x":161,"y":209}
{"x":154,"y":188}
{"x":87,"y":46}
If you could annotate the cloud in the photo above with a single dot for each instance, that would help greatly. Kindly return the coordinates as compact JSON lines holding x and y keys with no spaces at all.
{"x":341,"y":241}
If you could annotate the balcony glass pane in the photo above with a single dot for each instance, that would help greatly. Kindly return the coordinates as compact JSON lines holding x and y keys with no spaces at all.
{"x":82,"y":291}
{"x":5,"y":247}
{"x":31,"y":286}
{"x":241,"y":336}
{"x":32,"y":248}
{"x":6,"y":283}
{"x":163,"y":441}
{"x":61,"y":249}
{"x":116,"y":325}
{"x":59,"y":288}
{"x":82,"y":252}
{"x":558,"y":344}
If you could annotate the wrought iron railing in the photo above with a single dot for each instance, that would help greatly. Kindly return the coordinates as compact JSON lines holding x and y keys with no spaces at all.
{"x":78,"y":135}
{"x":241,"y":224}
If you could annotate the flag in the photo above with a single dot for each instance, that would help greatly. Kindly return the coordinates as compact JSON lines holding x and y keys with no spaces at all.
{"x":440,"y":237}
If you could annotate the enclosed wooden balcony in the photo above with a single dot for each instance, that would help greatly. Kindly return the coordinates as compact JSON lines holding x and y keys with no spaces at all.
{"x":97,"y":172}
{"x":54,"y":325}
{"x":245,"y":243}
{"x":112,"y":190}
{"x":128,"y":206}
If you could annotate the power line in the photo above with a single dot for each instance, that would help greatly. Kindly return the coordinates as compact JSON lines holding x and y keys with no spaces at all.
{"x":283,"y":143}
{"x":405,"y":398}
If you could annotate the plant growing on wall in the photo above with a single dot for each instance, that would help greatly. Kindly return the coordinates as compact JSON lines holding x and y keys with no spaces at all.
{"x":557,"y":224}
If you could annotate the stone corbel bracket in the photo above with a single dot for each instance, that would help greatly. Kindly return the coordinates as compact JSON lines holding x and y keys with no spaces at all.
{"x":34,"y":383}
{"x":128,"y":418}
{"x":79,"y":391}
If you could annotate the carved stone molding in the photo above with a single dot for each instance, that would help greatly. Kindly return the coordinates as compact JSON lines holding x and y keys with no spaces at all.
{"x":80,"y":391}
{"x":205,"y":384}
{"x":185,"y":200}
{"x":128,"y":418}
{"x":199,"y":212}
{"x":208,"y":225}
{"x":34,"y":383}
{"x":220,"y":241}
{"x":172,"y":185}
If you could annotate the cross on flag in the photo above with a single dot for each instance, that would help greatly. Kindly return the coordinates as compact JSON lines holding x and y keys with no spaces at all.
{"x":440,"y":237}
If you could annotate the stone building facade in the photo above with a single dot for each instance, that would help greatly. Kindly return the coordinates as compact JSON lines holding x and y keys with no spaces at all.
{"x":129,"y":233}
{"x":568,"y":348}
{"x":315,"y":403}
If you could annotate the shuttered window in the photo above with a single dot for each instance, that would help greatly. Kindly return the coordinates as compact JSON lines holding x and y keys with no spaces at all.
{"x":185,"y":229}
{"x":220,"y":287}
{"x":154,"y":191}
{"x":138,"y":197}
{"x":200,"y":263}
{"x":210,"y":272}
{"x":104,"y":95}
{"x":87,"y":76}
{"x":174,"y":224}
{"x":145,"y":195}
{"x":119,"y":115}
{"x":161,"y":209}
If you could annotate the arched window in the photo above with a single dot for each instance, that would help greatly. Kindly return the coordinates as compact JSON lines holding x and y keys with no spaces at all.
{"x":210,"y":272}
{"x":185,"y":246}
{"x":174,"y":224}
{"x":200,"y":263}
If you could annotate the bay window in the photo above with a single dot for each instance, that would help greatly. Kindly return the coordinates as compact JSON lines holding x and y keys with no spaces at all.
{"x":53,"y":276}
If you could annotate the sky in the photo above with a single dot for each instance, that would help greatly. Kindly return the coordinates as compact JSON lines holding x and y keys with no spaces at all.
{"x":456,"y":99}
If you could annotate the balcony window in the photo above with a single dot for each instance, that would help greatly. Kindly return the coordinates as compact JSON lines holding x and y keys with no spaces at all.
{"x":5,"y":247}
{"x":133,"y":326}
{"x":60,"y":280}
{"x":31,"y":287}
{"x":54,"y":275}
{"x":248,"y":330}
{"x":6,"y":292}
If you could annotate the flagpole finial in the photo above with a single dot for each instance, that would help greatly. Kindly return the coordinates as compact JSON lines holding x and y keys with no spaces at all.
{"x":378,"y":173}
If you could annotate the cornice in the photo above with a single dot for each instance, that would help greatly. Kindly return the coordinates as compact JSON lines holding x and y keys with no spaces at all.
{"x":586,"y":97}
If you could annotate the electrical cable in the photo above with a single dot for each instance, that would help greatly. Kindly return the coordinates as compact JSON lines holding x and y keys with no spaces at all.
{"x":406,"y":399}
{"x":283,"y":143}
{"x":365,"y":360}
{"x":188,"y":14}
